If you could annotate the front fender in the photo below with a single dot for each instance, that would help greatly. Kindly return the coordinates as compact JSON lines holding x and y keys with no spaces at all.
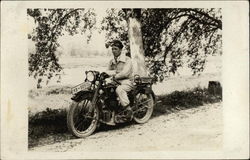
{"x":82,"y":95}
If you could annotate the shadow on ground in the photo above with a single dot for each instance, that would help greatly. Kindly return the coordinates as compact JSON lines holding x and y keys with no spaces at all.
{"x":51,"y":123}
{"x":181,"y":100}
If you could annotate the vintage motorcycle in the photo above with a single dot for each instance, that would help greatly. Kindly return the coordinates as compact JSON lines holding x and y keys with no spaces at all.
{"x":98,"y":103}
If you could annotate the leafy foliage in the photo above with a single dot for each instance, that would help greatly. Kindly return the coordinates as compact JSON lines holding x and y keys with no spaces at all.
{"x":50,"y":25}
{"x":170,"y":36}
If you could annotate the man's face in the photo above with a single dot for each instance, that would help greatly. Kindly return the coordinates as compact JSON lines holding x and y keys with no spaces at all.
{"x":116,"y":51}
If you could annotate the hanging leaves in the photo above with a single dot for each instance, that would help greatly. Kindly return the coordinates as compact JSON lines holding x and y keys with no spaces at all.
{"x":50,"y":25}
{"x":168,"y":35}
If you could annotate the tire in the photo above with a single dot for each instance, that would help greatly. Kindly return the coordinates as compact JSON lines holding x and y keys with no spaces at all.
{"x":80,"y":122}
{"x":147,"y":109}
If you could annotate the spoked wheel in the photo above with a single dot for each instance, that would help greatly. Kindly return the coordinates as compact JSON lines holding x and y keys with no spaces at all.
{"x":82,"y":118}
{"x":143,"y":108}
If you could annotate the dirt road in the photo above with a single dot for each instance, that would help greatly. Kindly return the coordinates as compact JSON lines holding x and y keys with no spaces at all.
{"x":198,"y":128}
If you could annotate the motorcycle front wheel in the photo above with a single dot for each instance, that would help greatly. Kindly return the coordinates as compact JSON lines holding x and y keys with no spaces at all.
{"x":144,"y":107}
{"x":82,"y":118}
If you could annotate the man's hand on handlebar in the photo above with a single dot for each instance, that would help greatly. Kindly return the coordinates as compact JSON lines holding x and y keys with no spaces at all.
{"x":115,"y":80}
{"x":112,"y":79}
{"x":109,"y":80}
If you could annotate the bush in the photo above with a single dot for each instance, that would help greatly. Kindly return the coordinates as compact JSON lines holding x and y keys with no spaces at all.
{"x":65,"y":90}
{"x":50,"y":90}
{"x":191,"y":98}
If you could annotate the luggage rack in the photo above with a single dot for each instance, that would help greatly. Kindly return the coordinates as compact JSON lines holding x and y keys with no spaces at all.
{"x":143,"y":80}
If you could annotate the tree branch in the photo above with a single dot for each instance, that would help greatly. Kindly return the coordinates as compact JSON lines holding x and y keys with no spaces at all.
{"x":219,"y":23}
{"x":54,"y":29}
{"x":183,"y":15}
{"x":175,"y":39}
{"x":204,"y":22}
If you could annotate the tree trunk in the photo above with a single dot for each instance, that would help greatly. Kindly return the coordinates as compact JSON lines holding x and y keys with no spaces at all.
{"x":136,"y":47}
{"x":215,"y":88}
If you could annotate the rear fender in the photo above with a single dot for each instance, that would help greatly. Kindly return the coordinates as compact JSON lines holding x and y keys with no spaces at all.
{"x":82,"y":95}
{"x":152,"y":93}
{"x":148,"y":90}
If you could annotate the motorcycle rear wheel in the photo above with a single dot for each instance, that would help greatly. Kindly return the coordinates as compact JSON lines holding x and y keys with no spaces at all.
{"x":82,"y":122}
{"x":144,"y":107}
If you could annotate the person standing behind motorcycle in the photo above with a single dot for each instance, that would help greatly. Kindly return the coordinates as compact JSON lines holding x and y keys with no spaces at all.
{"x":122,"y":64}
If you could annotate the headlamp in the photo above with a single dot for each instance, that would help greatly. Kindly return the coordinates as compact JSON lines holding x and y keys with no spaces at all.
{"x":90,"y":76}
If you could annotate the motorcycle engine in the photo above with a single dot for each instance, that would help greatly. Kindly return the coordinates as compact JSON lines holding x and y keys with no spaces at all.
{"x":112,"y":104}
{"x":107,"y":115}
{"x":111,"y":99}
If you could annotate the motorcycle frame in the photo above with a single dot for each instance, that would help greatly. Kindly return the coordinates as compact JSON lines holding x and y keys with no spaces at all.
{"x":94,"y":91}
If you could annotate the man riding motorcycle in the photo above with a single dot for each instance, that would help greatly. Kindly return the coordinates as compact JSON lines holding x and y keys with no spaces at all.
{"x":99,"y":104}
{"x":122,"y":64}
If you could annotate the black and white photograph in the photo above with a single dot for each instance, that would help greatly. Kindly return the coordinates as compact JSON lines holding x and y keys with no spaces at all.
{"x":123,"y":79}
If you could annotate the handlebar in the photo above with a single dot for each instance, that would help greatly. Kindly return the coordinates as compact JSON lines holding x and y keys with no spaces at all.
{"x":116,"y":81}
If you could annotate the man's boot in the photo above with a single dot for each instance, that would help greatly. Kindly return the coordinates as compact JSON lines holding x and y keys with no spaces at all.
{"x":128,"y":112}
{"x":125,"y":115}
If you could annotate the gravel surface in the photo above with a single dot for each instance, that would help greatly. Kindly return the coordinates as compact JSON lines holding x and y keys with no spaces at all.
{"x":198,"y":128}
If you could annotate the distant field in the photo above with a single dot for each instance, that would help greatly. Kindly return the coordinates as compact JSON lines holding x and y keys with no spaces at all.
{"x":68,"y":62}
{"x":74,"y":70}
